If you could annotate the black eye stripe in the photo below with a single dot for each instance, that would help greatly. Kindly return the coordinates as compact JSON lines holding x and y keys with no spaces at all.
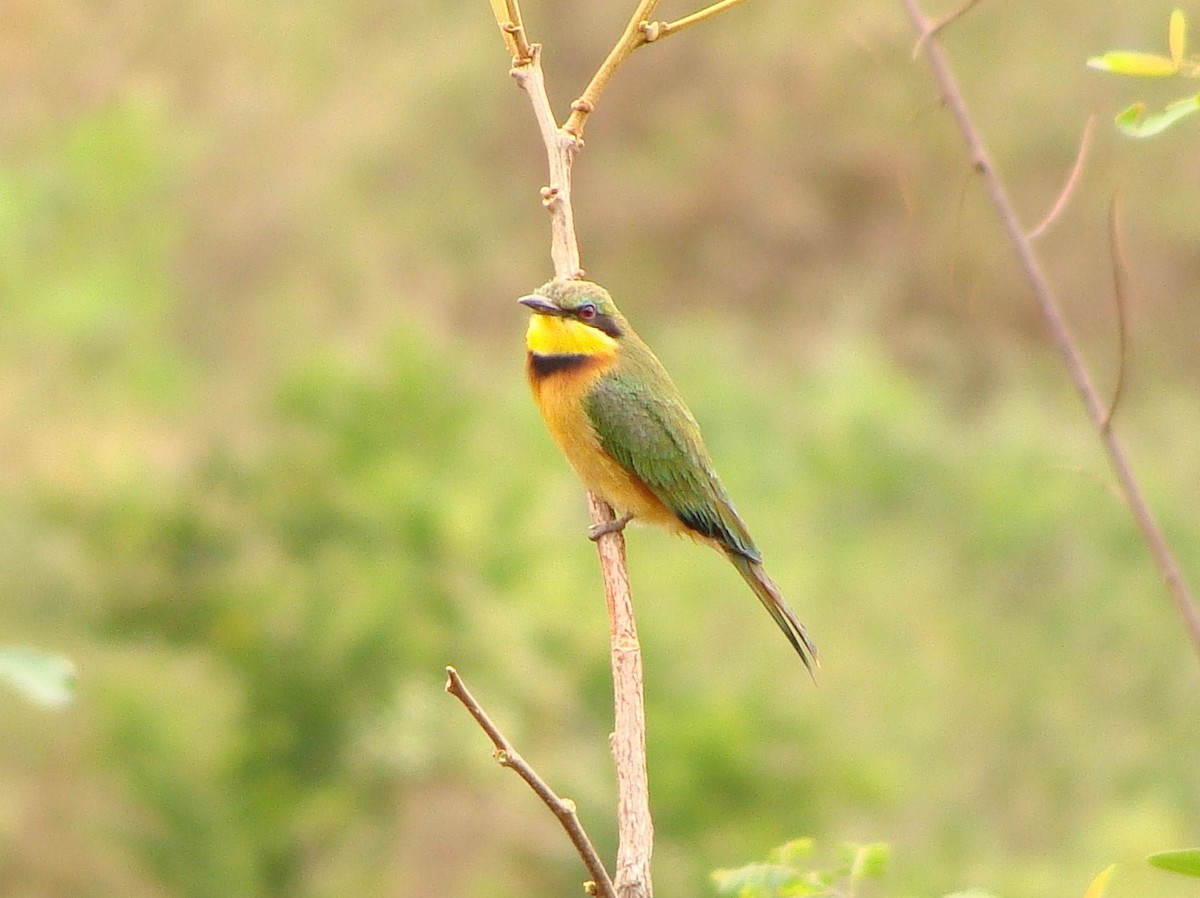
{"x":606,"y":324}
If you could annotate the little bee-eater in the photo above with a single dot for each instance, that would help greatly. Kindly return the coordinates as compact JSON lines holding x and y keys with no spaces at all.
{"x":622,"y":424}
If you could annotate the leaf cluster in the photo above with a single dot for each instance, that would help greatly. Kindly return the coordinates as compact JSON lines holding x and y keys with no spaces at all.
{"x":1134,"y":120}
{"x":791,"y":873}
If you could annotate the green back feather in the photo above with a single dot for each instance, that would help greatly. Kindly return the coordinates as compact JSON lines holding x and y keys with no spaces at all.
{"x":645,"y":425}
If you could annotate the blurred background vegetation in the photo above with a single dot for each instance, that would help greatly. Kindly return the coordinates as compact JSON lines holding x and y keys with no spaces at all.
{"x":267,"y":461}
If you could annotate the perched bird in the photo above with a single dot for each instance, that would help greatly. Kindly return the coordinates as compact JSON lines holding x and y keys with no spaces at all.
{"x":622,"y":424}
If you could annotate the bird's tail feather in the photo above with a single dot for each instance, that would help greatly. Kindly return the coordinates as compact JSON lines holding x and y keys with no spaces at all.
{"x":768,"y":594}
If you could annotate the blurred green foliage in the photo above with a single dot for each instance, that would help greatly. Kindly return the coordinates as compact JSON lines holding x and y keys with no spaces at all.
{"x":47,"y":680}
{"x":791,"y":872}
{"x":267,"y":463}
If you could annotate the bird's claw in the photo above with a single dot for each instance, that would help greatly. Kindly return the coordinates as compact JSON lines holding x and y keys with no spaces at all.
{"x":598,"y":530}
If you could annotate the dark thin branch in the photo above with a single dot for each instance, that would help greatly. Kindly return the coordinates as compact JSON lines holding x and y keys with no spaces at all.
{"x":562,"y":808}
{"x":1060,"y":334}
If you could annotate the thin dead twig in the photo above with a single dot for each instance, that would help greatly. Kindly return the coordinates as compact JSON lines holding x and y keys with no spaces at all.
{"x":631,"y":38}
{"x":639,"y":31}
{"x":562,"y":808}
{"x":1064,"y":195}
{"x":1120,"y":298}
{"x":653,"y":31}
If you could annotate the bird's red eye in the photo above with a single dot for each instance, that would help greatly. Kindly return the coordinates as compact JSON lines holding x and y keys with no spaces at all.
{"x":587,"y":311}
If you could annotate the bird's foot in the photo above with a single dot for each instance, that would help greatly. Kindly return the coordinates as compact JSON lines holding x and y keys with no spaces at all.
{"x":598,"y":530}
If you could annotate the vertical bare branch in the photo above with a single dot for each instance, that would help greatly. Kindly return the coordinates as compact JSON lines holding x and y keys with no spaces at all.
{"x":634,"y":826}
{"x":1048,"y":304}
{"x":561,"y":148}
{"x":629,"y":739}
{"x":636,"y":833}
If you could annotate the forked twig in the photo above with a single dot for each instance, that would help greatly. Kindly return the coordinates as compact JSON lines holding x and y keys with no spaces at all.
{"x":944,"y":22}
{"x":632,"y":38}
{"x":640,"y":30}
{"x":1164,"y":558}
{"x":562,"y":808}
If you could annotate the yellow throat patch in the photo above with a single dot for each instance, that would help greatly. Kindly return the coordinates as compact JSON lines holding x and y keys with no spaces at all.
{"x":553,"y":335}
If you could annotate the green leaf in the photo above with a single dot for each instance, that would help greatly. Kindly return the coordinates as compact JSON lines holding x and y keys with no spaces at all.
{"x":1132,"y":122}
{"x":1128,"y":62}
{"x":1185,"y":861}
{"x":1177,"y":37}
{"x":42,"y":678}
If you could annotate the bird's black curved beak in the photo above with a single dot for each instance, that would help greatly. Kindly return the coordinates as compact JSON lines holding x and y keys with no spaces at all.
{"x":539,"y":305}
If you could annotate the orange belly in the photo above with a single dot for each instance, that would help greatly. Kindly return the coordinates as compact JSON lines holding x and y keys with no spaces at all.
{"x":560,"y":397}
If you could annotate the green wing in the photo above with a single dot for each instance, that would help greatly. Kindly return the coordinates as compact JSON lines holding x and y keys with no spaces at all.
{"x":653,"y":436}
